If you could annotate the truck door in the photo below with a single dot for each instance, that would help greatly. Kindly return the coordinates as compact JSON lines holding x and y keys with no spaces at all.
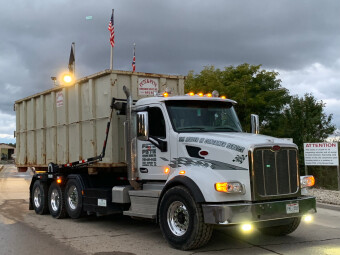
{"x":151,"y":160}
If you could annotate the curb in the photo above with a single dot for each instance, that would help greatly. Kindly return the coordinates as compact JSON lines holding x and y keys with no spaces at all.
{"x":328,"y":206}
{"x":1,"y":167}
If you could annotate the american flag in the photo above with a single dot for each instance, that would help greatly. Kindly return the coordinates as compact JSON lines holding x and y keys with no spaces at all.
{"x":134,"y":60}
{"x":112,"y":31}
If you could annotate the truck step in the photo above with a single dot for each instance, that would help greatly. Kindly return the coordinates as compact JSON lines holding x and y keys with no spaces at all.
{"x":143,"y":203}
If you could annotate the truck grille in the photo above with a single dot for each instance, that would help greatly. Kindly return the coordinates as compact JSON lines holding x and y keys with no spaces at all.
{"x":275,"y":172}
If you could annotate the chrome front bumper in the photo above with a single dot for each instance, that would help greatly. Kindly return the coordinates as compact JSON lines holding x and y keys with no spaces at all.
{"x":237,"y":213}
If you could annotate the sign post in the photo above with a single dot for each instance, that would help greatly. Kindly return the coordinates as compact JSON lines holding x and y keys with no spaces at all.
{"x":322,"y":154}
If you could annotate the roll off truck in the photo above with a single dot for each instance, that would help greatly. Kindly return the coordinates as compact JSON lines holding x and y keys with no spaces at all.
{"x":183,"y":161}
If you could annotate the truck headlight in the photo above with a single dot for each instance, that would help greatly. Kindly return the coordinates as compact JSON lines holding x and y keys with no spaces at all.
{"x":307,"y":181}
{"x":229,"y":187}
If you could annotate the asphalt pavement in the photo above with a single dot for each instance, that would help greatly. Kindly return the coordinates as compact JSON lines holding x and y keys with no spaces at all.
{"x":23,"y":232}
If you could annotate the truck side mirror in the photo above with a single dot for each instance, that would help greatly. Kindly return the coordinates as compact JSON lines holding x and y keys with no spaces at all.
{"x":143,"y":126}
{"x":255,"y":123}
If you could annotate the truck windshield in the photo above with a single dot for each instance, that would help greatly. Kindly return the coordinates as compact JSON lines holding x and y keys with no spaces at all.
{"x":206,"y":116}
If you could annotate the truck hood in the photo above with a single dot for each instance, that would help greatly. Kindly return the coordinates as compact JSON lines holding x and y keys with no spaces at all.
{"x":246,"y":140}
{"x":224,"y":150}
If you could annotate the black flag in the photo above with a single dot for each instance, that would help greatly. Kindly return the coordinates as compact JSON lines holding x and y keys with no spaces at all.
{"x":71,"y":61}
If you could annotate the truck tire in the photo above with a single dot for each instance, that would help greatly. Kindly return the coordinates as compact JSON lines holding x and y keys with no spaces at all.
{"x":56,"y":201}
{"x":39,"y":197}
{"x":282,"y":230}
{"x":73,"y":199}
{"x":181,"y":220}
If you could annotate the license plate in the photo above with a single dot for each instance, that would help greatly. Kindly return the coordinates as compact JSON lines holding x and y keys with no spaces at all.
{"x":292,"y":208}
{"x":102,"y":202}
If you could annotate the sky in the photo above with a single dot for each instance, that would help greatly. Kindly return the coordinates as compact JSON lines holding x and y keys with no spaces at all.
{"x":300,"y":39}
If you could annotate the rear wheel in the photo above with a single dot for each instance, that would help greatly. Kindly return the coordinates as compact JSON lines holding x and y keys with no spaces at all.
{"x":73,"y":198}
{"x":39,"y":197}
{"x":56,"y":202}
{"x":282,"y":230}
{"x":181,"y":220}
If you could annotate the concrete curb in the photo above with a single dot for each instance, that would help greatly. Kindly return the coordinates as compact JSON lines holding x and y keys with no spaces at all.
{"x":328,"y":206}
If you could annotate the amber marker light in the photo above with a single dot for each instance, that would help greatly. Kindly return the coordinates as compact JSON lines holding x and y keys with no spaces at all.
{"x":223,"y":97}
{"x":165,"y":94}
{"x":182,"y":172}
{"x":58,"y":180}
{"x":201,"y":94}
{"x":209,"y":95}
{"x":166,"y":170}
{"x":191,"y":93}
{"x":221,"y":186}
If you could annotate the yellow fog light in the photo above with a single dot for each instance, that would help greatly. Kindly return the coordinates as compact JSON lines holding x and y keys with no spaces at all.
{"x":246,"y":227}
{"x":307,"y":218}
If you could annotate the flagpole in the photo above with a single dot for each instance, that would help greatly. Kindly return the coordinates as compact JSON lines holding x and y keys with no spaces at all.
{"x":111,"y":59}
{"x":134,"y":58}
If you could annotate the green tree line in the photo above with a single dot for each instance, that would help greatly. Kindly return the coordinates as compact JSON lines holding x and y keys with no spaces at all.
{"x":260,"y":91}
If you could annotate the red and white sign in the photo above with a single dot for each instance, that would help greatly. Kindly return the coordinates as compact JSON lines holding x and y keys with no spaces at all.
{"x":147,"y":86}
{"x":321,"y":154}
{"x":60,"y":98}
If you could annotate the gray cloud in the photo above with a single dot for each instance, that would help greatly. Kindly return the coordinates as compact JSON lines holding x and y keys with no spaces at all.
{"x":171,"y":37}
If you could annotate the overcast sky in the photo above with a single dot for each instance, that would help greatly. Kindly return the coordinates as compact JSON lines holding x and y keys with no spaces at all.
{"x":299,"y":39}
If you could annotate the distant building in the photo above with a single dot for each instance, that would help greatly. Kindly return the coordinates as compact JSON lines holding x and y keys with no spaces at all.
{"x":6,"y":151}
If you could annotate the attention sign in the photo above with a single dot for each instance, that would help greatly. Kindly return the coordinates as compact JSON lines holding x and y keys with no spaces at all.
{"x":147,"y":86}
{"x":321,"y":154}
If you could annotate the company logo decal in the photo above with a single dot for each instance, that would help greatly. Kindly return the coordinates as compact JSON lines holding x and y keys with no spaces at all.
{"x":214,"y":142}
{"x":240,"y":158}
{"x":206,"y":163}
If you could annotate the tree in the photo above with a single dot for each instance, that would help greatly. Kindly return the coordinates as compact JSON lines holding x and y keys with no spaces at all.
{"x":255,"y":90}
{"x":304,"y":120}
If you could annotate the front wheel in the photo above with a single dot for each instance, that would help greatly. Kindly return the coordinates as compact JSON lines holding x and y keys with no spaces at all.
{"x":282,"y":230}
{"x":73,"y":199}
{"x":181,"y":220}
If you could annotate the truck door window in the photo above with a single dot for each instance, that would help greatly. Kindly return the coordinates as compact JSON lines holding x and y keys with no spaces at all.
{"x":156,"y":122}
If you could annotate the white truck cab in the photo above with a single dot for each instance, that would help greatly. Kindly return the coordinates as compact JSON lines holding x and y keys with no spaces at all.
{"x":194,"y":148}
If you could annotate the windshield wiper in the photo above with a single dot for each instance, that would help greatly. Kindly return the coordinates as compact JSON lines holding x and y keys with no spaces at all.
{"x":226,"y":128}
{"x":191,"y":128}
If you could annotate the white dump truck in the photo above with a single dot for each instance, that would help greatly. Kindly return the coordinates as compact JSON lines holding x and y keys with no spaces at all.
{"x":181,"y":160}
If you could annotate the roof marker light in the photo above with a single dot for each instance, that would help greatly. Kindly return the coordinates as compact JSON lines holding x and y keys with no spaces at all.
{"x":223,"y":97}
{"x":209,"y":95}
{"x":200,"y":94}
{"x":165,"y":94}
{"x":191,"y":93}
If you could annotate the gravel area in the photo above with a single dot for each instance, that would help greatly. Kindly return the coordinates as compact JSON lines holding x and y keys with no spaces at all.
{"x":326,"y":196}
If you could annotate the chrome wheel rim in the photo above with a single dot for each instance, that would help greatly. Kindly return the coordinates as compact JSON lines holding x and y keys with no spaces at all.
{"x":72,"y":197}
{"x":55,"y":202}
{"x":178,"y":218}
{"x":37,"y":197}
